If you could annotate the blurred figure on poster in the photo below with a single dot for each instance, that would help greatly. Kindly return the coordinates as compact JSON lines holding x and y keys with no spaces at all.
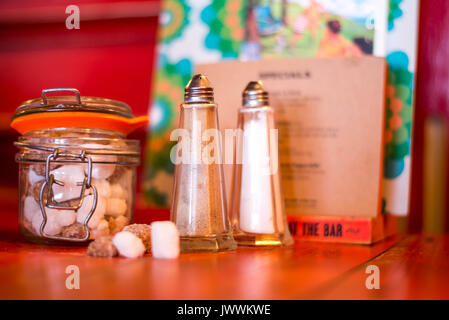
{"x":333,"y":44}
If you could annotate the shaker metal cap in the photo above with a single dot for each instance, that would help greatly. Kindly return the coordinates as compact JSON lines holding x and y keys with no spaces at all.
{"x":255,"y":95}
{"x":199,"y":90}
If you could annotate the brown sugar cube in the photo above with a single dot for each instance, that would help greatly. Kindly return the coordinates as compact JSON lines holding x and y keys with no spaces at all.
{"x":39,"y":169}
{"x":102,"y":247}
{"x":117,"y":224}
{"x":27,"y":225}
{"x":74,"y":231}
{"x":35,"y":191}
{"x":142,"y":231}
{"x":119,"y":170}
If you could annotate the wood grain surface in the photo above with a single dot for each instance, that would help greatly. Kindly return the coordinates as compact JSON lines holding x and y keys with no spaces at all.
{"x":411,"y":267}
{"x":29,"y":271}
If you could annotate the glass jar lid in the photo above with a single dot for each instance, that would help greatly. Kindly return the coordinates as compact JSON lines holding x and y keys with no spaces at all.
{"x":72,"y":103}
{"x":74,"y":111}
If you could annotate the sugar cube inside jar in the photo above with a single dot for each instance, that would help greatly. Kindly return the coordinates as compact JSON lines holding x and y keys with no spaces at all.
{"x":77,"y":170}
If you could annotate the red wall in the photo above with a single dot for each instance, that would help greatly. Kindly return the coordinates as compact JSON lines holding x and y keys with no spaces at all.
{"x":111,"y":55}
{"x":432,"y":92}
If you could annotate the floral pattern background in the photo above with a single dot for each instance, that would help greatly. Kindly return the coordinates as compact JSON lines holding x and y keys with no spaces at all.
{"x":401,"y":56}
{"x":206,"y":31}
{"x":191,"y":32}
{"x":399,"y":114}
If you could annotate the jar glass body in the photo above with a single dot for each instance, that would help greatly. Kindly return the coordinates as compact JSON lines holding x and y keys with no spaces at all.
{"x":75,"y":184}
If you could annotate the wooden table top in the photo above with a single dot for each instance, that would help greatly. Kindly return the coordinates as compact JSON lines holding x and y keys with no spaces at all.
{"x":411,"y":267}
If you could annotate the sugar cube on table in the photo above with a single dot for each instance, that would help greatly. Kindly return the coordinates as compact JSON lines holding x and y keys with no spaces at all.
{"x":143,"y":231}
{"x":128,"y":245}
{"x":164,"y":240}
{"x":102,"y":247}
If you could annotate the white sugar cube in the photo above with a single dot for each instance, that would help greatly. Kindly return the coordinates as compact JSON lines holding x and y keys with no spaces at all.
{"x":56,"y":219}
{"x":128,"y":245}
{"x":116,"y":207}
{"x":70,"y":175}
{"x":125,"y":181}
{"x":102,"y":229}
{"x":67,"y":192}
{"x":100,"y":171}
{"x":33,"y":177}
{"x":117,"y":191}
{"x":64,"y":217}
{"x":103,"y":187}
{"x":30,"y":208}
{"x":98,"y":214}
{"x":164,"y":240}
{"x":52,"y":227}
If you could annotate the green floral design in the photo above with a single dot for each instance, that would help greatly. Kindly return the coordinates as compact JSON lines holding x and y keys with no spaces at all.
{"x":223,"y":37}
{"x":170,"y":81}
{"x":399,"y":114}
{"x":173,"y":20}
{"x":394,"y":13}
{"x":168,"y":94}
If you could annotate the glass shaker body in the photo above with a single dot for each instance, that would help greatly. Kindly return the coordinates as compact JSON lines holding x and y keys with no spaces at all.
{"x":199,"y":202}
{"x":257,"y":207}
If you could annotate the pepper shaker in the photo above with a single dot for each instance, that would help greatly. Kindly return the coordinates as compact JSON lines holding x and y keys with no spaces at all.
{"x":199,"y":202}
{"x":257,"y":207}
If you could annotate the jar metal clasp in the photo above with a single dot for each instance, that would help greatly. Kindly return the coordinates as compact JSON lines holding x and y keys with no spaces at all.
{"x":52,"y":204}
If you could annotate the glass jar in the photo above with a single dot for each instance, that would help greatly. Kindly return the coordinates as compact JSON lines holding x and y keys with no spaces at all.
{"x":77,"y":170}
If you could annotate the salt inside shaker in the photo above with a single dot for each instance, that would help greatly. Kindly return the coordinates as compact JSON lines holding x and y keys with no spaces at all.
{"x":199,"y":201}
{"x":257,"y":208}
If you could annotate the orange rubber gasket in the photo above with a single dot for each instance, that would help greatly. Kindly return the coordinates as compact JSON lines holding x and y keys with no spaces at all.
{"x":38,"y":121}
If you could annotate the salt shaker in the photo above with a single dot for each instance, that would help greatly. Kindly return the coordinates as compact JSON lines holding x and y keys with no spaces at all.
{"x":199,"y":202}
{"x":257,"y":208}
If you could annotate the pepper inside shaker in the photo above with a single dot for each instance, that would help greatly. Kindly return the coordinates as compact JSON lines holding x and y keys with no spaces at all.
{"x":199,"y":200}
